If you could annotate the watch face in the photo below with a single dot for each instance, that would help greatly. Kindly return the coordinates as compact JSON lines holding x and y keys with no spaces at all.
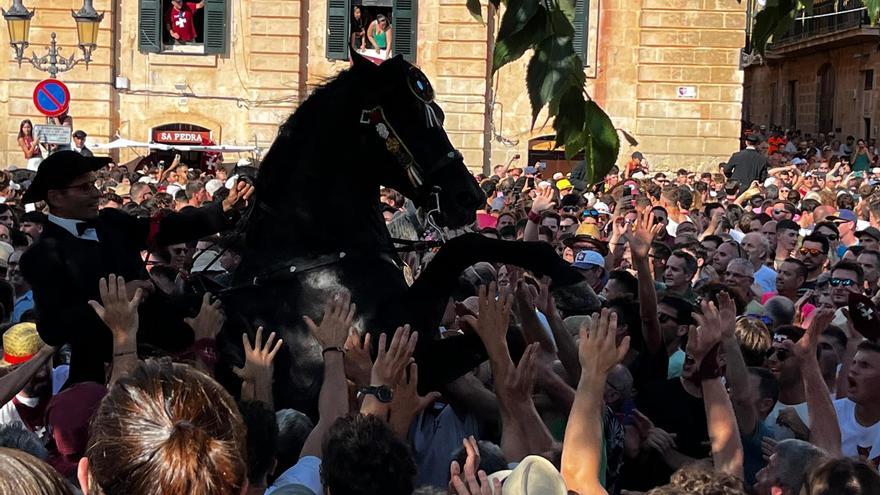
{"x":383,"y":394}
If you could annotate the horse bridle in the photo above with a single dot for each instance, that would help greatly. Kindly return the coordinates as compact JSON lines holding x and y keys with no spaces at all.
{"x":421,"y":88}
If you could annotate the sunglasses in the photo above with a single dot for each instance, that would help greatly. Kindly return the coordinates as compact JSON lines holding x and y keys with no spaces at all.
{"x":777,"y":211}
{"x":841,"y":282}
{"x":832,"y":237}
{"x":592,"y":212}
{"x":810,"y":251}
{"x":781,"y":354}
{"x":569,"y":209}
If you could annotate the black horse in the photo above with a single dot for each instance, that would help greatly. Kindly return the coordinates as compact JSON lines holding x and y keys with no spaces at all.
{"x":315,"y":227}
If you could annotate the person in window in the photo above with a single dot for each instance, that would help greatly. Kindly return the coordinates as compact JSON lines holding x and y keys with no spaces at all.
{"x":358,"y":31}
{"x":180,"y":20}
{"x":379,"y":33}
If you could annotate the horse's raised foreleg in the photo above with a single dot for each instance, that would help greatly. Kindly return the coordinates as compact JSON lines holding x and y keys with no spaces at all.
{"x":446,"y":359}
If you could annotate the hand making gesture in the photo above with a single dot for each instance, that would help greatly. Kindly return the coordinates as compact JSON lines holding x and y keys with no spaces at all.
{"x":209,"y":321}
{"x":642,"y":234}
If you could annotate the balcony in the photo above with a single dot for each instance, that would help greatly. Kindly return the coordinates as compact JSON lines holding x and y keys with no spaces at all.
{"x":832,"y":24}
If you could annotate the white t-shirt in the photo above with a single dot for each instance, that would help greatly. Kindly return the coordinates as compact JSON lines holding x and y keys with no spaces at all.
{"x":857,"y":441}
{"x":781,"y":432}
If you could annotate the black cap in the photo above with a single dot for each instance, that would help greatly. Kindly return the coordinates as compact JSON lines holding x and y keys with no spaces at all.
{"x":58,"y":171}
{"x":80,"y":134}
{"x":871,"y":232}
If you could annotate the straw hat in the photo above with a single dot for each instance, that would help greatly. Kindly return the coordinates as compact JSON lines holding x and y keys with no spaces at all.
{"x":20,"y":343}
{"x":533,"y":476}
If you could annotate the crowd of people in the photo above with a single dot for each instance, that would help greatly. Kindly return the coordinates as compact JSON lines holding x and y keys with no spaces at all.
{"x":724,"y":340}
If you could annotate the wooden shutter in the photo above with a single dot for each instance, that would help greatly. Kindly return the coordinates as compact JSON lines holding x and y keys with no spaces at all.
{"x":216,"y":26}
{"x":582,"y":29}
{"x":405,"y":26}
{"x":150,"y":26}
{"x":337,"y":29}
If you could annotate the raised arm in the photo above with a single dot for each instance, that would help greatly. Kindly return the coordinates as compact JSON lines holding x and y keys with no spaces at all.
{"x":824,"y":427}
{"x":543,"y":201}
{"x":736,"y":372}
{"x":389,"y":367}
{"x":256,"y":375}
{"x":333,"y":398}
{"x":120,"y":313}
{"x":582,"y":450}
{"x":703,"y":344}
{"x":639,"y":237}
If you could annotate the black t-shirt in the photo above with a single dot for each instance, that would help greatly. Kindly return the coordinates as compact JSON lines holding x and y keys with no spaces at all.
{"x":677,"y":412}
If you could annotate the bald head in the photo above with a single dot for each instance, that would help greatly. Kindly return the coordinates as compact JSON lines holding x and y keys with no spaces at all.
{"x":822,"y":212}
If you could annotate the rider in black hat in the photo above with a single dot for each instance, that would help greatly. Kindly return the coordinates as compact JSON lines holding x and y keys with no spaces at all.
{"x":79,"y":245}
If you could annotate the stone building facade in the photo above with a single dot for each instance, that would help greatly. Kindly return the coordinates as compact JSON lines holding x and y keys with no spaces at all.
{"x":665,"y":70}
{"x":819,"y":77}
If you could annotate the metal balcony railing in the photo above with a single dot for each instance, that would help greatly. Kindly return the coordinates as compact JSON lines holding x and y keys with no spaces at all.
{"x":827,"y":18}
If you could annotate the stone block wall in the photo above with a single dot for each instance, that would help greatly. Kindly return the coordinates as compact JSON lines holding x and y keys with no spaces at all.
{"x":852,"y":103}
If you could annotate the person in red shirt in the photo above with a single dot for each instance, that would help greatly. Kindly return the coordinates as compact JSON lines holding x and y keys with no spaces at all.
{"x":180,"y":20}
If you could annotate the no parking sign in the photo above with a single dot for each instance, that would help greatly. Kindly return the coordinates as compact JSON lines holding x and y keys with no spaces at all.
{"x":51,"y":97}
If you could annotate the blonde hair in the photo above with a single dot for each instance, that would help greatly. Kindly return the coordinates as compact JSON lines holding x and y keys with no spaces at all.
{"x":24,"y":474}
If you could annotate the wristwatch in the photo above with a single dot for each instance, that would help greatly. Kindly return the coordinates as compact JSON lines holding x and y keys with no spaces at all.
{"x":382,"y":392}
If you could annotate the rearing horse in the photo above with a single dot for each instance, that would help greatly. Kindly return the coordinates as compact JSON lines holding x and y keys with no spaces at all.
{"x":316,"y":229}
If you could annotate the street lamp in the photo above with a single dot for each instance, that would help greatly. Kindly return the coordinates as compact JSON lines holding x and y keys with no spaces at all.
{"x":18,"y":20}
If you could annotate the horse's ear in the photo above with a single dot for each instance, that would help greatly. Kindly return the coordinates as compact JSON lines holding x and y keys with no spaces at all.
{"x":358,"y":60}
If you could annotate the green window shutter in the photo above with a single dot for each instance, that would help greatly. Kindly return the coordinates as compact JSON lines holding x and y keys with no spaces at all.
{"x":150,"y":26}
{"x":337,"y":29}
{"x":405,"y":29}
{"x":216,"y":26}
{"x":581,"y":29}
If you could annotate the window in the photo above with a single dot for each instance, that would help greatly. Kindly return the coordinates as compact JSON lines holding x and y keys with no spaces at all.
{"x":869,"y":79}
{"x":582,"y":30}
{"x":209,"y":24}
{"x":347,"y":18}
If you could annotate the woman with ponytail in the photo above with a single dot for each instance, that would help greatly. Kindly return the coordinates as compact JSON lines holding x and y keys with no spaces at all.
{"x":165,"y":428}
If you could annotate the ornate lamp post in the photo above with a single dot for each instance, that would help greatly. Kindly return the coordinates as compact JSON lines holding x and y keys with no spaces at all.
{"x":18,"y":20}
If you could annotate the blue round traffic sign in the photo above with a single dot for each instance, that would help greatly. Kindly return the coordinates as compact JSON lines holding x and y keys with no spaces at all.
{"x":51,"y":97}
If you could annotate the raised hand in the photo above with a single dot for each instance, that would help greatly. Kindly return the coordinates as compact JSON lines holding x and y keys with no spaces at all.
{"x":358,"y":363}
{"x":543,"y":200}
{"x":494,"y":316}
{"x":642,"y":234}
{"x":545,"y":302}
{"x":727,"y":314}
{"x":238,"y":196}
{"x":799,"y":306}
{"x":805,"y":348}
{"x":406,"y":402}
{"x":599,"y":351}
{"x":473,"y":481}
{"x":209,"y":321}
{"x":258,"y":357}
{"x":391,"y":363}
{"x":702,"y":339}
{"x":118,"y":311}
{"x":517,"y":387}
{"x":335,"y":326}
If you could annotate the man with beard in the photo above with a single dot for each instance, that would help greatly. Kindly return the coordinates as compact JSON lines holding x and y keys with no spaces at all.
{"x":22,"y":347}
{"x":789,"y":417}
{"x":869,"y":260}
{"x":814,"y":254}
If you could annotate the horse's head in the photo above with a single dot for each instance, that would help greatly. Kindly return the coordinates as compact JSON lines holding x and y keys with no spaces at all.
{"x":400,"y":115}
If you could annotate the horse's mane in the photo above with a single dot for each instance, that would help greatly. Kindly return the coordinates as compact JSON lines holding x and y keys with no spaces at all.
{"x":328,"y":101}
